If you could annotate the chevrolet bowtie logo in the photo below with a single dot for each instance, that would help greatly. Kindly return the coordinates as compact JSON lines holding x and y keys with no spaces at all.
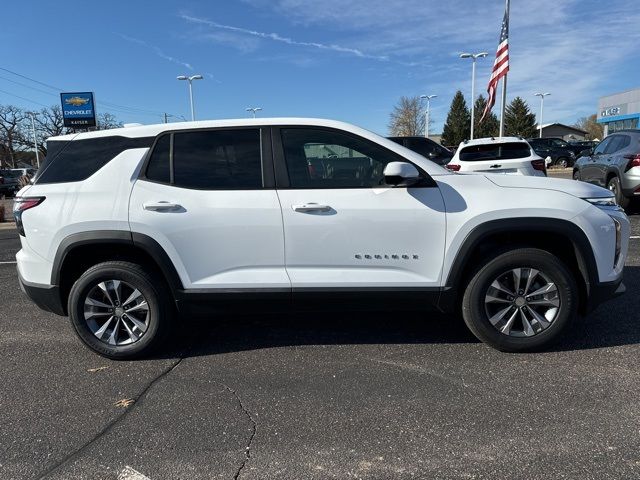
{"x":76,"y":101}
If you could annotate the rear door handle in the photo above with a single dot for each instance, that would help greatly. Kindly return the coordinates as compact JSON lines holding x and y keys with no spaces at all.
{"x":161,"y":206}
{"x":495,"y":166}
{"x":311,"y":207}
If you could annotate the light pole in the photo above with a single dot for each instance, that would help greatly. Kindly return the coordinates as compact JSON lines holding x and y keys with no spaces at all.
{"x":541,"y":95}
{"x":473,"y":57}
{"x":253,"y":110}
{"x":35,"y":139}
{"x":191,"y":79}
{"x":426,"y":114}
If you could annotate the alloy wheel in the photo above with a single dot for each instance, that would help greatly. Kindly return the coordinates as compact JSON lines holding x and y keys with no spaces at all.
{"x":116,"y":312}
{"x":522,"y":302}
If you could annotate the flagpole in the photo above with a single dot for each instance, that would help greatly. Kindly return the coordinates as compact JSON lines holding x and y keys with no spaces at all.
{"x":503,"y":102}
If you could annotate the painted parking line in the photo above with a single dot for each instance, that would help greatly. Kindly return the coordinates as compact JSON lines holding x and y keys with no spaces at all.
{"x":13,"y":262}
{"x":130,"y":474}
{"x":634,"y":237}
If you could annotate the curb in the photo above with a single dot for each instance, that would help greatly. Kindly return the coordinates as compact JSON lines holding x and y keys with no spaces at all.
{"x":7,"y":225}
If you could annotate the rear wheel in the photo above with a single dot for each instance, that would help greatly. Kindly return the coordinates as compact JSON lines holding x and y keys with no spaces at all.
{"x":520,"y":301}
{"x":119,"y":311}
{"x":562,"y":162}
{"x":576,"y":175}
{"x":614,"y":186}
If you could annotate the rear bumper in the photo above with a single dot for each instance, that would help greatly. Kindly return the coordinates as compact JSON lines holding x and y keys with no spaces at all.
{"x":602,"y":292}
{"x":47,"y":297}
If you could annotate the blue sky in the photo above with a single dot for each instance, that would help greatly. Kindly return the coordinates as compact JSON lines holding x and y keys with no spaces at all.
{"x":344,"y":59}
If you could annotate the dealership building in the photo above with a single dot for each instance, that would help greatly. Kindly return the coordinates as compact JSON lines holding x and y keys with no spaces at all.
{"x":619,"y":111}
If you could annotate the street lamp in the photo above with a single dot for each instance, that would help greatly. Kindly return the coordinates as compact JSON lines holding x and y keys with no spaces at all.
{"x":541,"y":95}
{"x":253,"y":110}
{"x":473,"y":57}
{"x":191,"y":79}
{"x":35,"y":139}
{"x":426,"y":114}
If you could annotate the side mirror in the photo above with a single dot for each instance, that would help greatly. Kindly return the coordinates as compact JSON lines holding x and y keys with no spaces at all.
{"x":401,"y":174}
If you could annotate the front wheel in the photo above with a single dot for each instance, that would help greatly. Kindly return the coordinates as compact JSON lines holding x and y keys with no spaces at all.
{"x":562,"y":162}
{"x":576,"y":175}
{"x":119,"y":310}
{"x":520,"y":301}
{"x":614,"y":186}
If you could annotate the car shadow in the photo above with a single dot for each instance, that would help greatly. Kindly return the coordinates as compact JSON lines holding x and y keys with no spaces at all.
{"x":614,"y":323}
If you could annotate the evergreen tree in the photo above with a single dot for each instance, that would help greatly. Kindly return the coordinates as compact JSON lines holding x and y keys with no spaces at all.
{"x":490,"y":127}
{"x":457,"y":127}
{"x":518,"y":119}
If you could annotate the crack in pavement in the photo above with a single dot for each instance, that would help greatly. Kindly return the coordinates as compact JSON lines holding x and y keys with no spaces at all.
{"x":109,"y":426}
{"x":254,"y":429}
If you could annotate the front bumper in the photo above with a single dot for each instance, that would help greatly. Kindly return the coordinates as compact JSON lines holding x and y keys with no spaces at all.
{"x":47,"y":297}
{"x":603,"y":292}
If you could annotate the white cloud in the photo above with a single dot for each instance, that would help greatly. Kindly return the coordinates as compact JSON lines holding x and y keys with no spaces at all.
{"x":159,"y":52}
{"x":281,"y":39}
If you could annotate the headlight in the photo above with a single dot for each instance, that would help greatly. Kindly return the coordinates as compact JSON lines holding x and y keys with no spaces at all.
{"x":602,"y":201}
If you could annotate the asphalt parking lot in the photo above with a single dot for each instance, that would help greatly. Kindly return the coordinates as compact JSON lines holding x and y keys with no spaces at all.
{"x":306,"y":396}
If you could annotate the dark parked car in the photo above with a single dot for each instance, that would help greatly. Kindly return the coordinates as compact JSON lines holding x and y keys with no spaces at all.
{"x":615,"y":164}
{"x":583,"y":148}
{"x":9,"y":182}
{"x":558,"y":150}
{"x":426,"y":147}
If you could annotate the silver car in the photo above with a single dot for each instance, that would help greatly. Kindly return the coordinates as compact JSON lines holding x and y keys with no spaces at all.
{"x":614,"y":164}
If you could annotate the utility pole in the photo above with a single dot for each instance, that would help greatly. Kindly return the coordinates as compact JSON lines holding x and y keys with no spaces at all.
{"x":426,"y":114}
{"x":541,"y":95}
{"x":35,"y":138}
{"x":473,"y":57}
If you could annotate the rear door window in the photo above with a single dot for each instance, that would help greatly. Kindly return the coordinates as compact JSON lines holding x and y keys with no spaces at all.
{"x":76,"y":160}
{"x":502,"y":151}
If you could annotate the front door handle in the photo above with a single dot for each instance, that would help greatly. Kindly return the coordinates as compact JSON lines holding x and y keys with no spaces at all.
{"x":311,"y":207}
{"x":495,"y":166}
{"x":161,"y":206}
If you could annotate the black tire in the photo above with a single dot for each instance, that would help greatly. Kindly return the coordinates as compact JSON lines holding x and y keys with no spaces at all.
{"x":576,"y":174}
{"x":156,"y":294}
{"x":614,"y":185}
{"x":562,"y":162}
{"x":475,"y":313}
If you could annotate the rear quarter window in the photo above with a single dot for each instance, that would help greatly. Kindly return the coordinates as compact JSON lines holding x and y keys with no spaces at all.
{"x":77,"y":160}
{"x":501,"y":151}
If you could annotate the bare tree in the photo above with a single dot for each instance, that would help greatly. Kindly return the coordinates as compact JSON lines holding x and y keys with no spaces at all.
{"x":590,"y":125}
{"x":106,"y":120}
{"x":407,"y":118}
{"x":48,"y":123}
{"x":11,"y":122}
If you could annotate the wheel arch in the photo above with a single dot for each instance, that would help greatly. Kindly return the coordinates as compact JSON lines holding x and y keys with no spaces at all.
{"x":79,"y":251}
{"x":560,"y":237}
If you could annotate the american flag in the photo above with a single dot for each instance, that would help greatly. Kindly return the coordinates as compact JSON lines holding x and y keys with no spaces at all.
{"x":500,"y":65}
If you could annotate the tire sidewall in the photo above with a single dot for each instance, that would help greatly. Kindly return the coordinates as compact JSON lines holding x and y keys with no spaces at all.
{"x":475,"y":315}
{"x":88,"y":281}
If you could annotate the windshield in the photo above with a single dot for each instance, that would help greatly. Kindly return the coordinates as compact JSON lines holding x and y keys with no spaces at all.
{"x":500,"y":151}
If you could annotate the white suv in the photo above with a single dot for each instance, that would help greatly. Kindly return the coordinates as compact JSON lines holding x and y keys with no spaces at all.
{"x":506,"y":155}
{"x":123,"y":229}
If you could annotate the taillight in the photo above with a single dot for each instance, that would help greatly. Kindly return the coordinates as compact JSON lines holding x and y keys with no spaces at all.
{"x":21,"y":205}
{"x":453,"y":166}
{"x":634,"y":160}
{"x":539,"y":165}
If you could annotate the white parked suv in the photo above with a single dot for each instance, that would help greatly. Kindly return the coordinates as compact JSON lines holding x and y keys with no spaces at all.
{"x":506,"y":155}
{"x":131,"y":230}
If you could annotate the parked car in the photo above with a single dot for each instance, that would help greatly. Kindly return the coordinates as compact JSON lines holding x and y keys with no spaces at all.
{"x":28,"y":172}
{"x":123,"y":228}
{"x":583,"y":147}
{"x":557,"y":150}
{"x":506,"y":155}
{"x":614,"y":164}
{"x":426,"y":147}
{"x":9,"y":182}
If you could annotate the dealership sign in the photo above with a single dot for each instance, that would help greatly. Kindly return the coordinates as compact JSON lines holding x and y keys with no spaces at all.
{"x":613,"y":111}
{"x":78,"y":110}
